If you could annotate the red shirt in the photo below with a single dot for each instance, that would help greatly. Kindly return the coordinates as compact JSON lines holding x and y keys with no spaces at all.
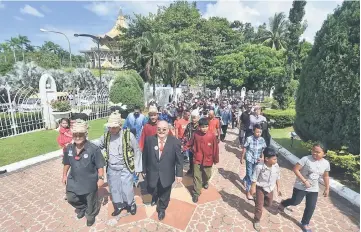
{"x":205,"y":148}
{"x":181,"y":127}
{"x":213,"y":125}
{"x":64,"y":137}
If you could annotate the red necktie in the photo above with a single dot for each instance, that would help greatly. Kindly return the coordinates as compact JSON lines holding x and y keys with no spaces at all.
{"x":161,"y":147}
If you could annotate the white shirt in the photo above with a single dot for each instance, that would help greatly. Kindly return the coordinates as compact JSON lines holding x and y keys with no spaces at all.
{"x":164,"y":141}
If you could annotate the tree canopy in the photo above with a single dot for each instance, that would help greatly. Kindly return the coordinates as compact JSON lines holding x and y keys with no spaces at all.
{"x":328,"y":98}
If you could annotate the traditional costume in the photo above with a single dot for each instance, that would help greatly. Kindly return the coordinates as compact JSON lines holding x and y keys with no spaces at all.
{"x":123,"y":159}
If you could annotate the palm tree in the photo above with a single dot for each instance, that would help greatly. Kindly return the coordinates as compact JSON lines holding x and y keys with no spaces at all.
{"x":24,"y":42}
{"x":151,"y":48}
{"x":5,"y":48}
{"x":179,"y":61}
{"x":14,"y":43}
{"x":275,"y":37}
{"x":51,"y":47}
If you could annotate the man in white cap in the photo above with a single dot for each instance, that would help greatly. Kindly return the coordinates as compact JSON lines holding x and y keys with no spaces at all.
{"x":86,"y":173}
{"x":123,"y":160}
{"x":188,"y":134}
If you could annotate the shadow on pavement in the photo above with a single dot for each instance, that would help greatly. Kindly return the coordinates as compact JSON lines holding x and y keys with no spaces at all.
{"x":238,"y":203}
{"x":233,"y":178}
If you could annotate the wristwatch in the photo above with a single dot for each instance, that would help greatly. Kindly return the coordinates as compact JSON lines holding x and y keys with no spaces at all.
{"x":101,"y":177}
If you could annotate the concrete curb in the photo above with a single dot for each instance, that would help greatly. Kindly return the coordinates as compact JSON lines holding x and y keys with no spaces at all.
{"x":28,"y":162}
{"x":335,"y":186}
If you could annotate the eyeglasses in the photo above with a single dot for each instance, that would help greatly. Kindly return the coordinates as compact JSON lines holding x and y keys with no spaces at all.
{"x":162,"y":129}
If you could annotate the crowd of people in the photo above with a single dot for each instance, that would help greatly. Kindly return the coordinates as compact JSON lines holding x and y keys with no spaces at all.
{"x":156,"y":146}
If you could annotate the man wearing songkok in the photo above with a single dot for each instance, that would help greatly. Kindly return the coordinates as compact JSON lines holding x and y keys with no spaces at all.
{"x":86,"y":173}
{"x":123,"y":160}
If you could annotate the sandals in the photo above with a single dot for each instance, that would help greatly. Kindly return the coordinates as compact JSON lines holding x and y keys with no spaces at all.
{"x":257,"y":226}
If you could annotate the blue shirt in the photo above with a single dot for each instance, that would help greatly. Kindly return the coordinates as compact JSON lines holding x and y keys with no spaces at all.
{"x":135,"y":123}
{"x":226,"y":116}
{"x":165,"y":117}
{"x":254,"y":147}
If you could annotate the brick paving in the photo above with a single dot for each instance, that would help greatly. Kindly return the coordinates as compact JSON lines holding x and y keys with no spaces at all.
{"x":33,"y":200}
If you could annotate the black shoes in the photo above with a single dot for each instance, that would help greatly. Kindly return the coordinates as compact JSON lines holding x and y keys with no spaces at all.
{"x":117,"y":210}
{"x":154,"y":201}
{"x":132,"y":209}
{"x":81,"y":214}
{"x":195,"y":198}
{"x":205,"y":186}
{"x":161,"y":215}
{"x":90,"y":222}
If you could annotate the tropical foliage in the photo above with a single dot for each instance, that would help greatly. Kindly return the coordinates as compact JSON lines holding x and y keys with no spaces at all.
{"x":328,"y":98}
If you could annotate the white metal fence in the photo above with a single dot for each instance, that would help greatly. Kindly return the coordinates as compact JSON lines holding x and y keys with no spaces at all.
{"x":22,"y":111}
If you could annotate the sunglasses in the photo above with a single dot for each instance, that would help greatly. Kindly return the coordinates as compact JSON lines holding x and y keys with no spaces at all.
{"x":162,"y":129}
{"x":78,"y":135}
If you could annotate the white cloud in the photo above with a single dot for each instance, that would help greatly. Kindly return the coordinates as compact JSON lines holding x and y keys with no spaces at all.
{"x":76,"y":43}
{"x":31,"y":11}
{"x":18,"y":18}
{"x":111,"y":9}
{"x":259,"y":12}
{"x":45,"y":9}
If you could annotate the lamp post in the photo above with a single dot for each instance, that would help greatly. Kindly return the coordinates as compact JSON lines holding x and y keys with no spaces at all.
{"x":97,"y":39}
{"x":58,"y":32}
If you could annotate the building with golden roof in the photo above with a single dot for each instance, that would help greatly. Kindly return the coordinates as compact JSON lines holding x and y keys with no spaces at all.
{"x":108,"y":53}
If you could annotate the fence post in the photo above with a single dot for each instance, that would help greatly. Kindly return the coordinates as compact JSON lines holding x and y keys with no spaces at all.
{"x":13,"y":122}
{"x":47,"y":90}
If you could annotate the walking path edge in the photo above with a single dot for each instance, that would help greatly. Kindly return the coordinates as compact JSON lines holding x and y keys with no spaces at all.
{"x":335,"y":186}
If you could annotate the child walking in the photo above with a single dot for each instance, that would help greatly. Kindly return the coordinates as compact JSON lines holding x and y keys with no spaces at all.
{"x":253,"y":152}
{"x":264,"y":179}
{"x":308,"y":170}
{"x":65,"y":136}
{"x":204,"y":144}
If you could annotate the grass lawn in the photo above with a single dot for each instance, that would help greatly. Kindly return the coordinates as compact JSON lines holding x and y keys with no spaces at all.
{"x":283,"y":137}
{"x":29,"y":145}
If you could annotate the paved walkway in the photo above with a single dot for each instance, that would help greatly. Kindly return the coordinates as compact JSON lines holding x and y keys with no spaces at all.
{"x":33,"y":200}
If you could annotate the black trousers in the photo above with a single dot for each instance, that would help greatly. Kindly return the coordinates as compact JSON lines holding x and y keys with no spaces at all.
{"x":87,"y":202}
{"x":224,"y":132}
{"x":297,"y":197}
{"x":162,"y":194}
{"x":191,"y":164}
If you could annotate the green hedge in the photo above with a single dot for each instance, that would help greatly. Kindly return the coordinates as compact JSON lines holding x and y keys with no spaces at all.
{"x":328,"y":97}
{"x":126,"y":89}
{"x":283,"y":118}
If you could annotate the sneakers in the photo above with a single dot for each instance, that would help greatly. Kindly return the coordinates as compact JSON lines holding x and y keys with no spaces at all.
{"x":205,"y":186}
{"x":257,"y":226}
{"x":132,"y":209}
{"x":195,"y":198}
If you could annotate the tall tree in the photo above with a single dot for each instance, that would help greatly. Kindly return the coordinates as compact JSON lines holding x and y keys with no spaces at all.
{"x":283,"y":92}
{"x":179,"y":62}
{"x":151,"y":49}
{"x":275,"y":37}
{"x":14,"y":43}
{"x":24,"y":43}
{"x":5,"y":48}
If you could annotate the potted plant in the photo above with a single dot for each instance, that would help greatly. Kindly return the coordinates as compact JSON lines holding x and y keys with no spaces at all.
{"x":61,"y":109}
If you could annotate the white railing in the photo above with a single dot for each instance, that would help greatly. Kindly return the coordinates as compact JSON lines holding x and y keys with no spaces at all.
{"x":20,"y":111}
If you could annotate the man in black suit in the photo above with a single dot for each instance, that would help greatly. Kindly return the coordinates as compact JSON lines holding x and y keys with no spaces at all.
{"x":162,"y":162}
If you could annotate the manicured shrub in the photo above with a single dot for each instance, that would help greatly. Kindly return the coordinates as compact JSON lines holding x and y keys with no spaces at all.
{"x":126,"y":90}
{"x":283,"y":118}
{"x":328,"y":97}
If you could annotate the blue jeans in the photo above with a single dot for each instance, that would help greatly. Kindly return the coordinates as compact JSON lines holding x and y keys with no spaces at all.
{"x":249,"y":172}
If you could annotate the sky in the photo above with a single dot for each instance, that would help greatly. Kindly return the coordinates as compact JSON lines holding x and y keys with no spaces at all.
{"x":98,"y":17}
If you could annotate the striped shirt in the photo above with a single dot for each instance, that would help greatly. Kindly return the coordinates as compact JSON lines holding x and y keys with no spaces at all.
{"x":254,"y":147}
